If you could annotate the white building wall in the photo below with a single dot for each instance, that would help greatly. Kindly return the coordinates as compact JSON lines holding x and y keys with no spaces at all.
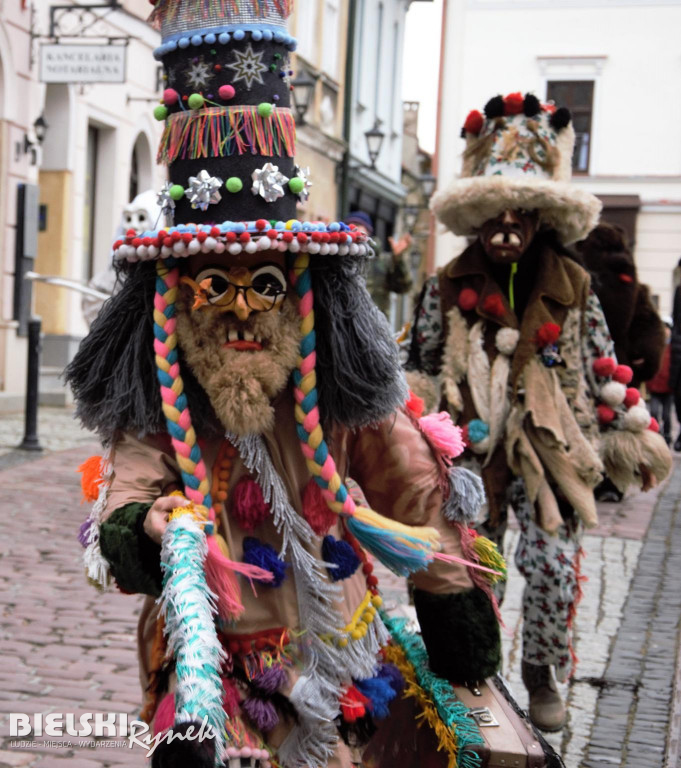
{"x":630,"y":50}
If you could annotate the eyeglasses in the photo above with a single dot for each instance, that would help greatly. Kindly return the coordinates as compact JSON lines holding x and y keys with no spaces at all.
{"x":263,"y":286}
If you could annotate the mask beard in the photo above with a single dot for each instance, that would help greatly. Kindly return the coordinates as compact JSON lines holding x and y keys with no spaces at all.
{"x":240,"y":385}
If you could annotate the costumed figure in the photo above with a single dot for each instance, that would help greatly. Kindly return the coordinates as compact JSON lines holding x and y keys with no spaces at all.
{"x":240,"y":374}
{"x":513,"y":340}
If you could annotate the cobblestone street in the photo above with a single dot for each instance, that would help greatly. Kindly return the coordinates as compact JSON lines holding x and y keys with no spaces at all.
{"x":67,"y":649}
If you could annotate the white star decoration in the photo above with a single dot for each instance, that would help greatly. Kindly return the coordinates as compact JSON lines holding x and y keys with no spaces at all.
{"x":248,"y":67}
{"x":268,"y":182}
{"x":304,"y":174}
{"x":198,"y":74}
{"x":203,"y":190}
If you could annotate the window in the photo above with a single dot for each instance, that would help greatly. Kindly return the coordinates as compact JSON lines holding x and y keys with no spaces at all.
{"x":133,"y":187}
{"x":330,"y":39}
{"x":578,"y":97}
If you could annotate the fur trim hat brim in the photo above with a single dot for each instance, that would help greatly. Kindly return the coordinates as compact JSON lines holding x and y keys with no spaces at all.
{"x":468,"y":203}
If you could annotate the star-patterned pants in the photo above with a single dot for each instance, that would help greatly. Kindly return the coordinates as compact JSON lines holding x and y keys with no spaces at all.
{"x":550,"y":566}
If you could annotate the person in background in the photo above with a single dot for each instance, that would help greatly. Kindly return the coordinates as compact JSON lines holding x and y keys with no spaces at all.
{"x":675,"y":364}
{"x":386,"y":274}
{"x":660,"y":388}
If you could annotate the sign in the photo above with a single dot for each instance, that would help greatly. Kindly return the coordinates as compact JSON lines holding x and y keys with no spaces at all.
{"x":79,"y":63}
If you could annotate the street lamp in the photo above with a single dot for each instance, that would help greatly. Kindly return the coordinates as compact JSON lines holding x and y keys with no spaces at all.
{"x":40,"y":127}
{"x":303,"y":89}
{"x":428,"y":182}
{"x":374,"y":138}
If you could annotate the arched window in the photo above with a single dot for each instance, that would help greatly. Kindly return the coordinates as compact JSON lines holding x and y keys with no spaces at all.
{"x":141,"y":167}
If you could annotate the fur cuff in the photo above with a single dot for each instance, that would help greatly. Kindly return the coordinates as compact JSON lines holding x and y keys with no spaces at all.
{"x":624,"y":453}
{"x":461,"y":634}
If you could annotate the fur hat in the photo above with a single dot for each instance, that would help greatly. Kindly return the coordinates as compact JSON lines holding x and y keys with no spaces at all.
{"x":518,"y":155}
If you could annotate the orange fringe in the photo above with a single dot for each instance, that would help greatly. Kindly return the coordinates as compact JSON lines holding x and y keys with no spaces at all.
{"x":91,"y":479}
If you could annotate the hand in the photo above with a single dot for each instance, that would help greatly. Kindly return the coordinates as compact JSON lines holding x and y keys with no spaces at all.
{"x":648,"y":479}
{"x":400,"y":246}
{"x":156,"y":520}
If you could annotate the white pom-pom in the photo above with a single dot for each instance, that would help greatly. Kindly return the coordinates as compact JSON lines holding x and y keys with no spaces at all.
{"x":219,"y":247}
{"x":142,"y":251}
{"x":294,"y":246}
{"x":613,"y":393}
{"x":264,"y":244}
{"x":234,"y":248}
{"x":342,"y":250}
{"x":354,"y":248}
{"x":165,"y":251}
{"x":153,"y":251}
{"x":333,"y":249}
{"x":194,"y":246}
{"x":209,"y":244}
{"x":506,"y":340}
{"x":324,"y":249}
{"x":636,"y":419}
{"x":251,"y":246}
{"x":361,"y":249}
{"x":180,"y":248}
{"x":313,"y":247}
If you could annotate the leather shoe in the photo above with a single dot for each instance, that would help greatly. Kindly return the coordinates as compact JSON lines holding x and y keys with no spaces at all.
{"x":547,"y":710}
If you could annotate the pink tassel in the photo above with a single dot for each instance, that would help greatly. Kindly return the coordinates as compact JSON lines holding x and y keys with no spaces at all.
{"x":468,"y":563}
{"x":441,"y":433}
{"x":165,"y":714}
{"x":221,"y":579}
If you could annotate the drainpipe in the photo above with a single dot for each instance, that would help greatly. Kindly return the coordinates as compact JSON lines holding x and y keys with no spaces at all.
{"x":344,"y":207}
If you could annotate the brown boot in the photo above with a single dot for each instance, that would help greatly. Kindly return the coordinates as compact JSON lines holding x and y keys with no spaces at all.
{"x":547,"y":710}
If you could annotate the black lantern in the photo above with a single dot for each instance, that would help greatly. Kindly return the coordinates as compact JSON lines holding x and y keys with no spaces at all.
{"x":428,"y":182}
{"x":374,"y":139}
{"x":40,"y":127}
{"x":303,"y":90}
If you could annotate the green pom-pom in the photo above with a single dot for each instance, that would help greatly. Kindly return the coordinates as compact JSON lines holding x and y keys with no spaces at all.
{"x":160,"y":112}
{"x":176,"y":191}
{"x":265,"y":109}
{"x":195,"y":101}
{"x":296,"y":185}
{"x":234,"y":184}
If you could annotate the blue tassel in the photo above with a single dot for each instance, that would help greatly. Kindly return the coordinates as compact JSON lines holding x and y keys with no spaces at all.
{"x":391,"y":548}
{"x":265,"y":556}
{"x":391,"y":674}
{"x":379,"y":692}
{"x":342,"y":555}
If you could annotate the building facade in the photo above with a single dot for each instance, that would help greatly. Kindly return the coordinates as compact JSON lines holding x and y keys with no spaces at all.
{"x":98,"y":151}
{"x":616,"y":65}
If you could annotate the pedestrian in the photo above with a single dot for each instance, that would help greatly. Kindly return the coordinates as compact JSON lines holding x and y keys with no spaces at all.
{"x":660,"y":388}
{"x":240,"y":374}
{"x":634,"y":323}
{"x":514,"y":342}
{"x":675,"y":364}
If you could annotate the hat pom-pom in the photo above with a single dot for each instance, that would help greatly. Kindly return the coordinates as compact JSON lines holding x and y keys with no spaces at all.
{"x":636,"y":419}
{"x":531,"y":105}
{"x":474,"y":122}
{"x":613,"y":393}
{"x":494,"y":107}
{"x":506,"y":340}
{"x":560,"y":118}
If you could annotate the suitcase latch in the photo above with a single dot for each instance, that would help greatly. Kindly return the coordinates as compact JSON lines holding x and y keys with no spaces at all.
{"x":483,"y":717}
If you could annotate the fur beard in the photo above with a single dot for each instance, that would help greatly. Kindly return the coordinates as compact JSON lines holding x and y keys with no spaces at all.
{"x":240,"y":385}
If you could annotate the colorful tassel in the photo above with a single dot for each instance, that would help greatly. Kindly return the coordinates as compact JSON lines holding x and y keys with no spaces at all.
{"x":353,"y":704}
{"x":379,"y":692}
{"x":261,"y":712}
{"x":271,"y":679}
{"x":248,"y":505}
{"x":340,"y":554}
{"x":91,"y":478}
{"x":226,"y":131}
{"x":441,"y":433}
{"x":488,"y":554}
{"x":265,"y":558}
{"x":393,"y":675}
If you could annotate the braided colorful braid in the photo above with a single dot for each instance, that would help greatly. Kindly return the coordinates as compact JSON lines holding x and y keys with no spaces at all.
{"x":173,"y":398}
{"x":404,"y":549}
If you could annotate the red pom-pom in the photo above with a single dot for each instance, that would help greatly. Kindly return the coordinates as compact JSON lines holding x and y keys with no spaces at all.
{"x":315,"y":509}
{"x":513,"y":104}
{"x":248,"y":505}
{"x":474,"y":122}
{"x":604,"y":366}
{"x":494,"y":305}
{"x":623,"y":374}
{"x":605,"y":414}
{"x":654,"y":425}
{"x":261,"y":224}
{"x":550,"y":108}
{"x":632,"y":397}
{"x":415,"y":405}
{"x":549,"y":333}
{"x":353,"y":704}
{"x":468,"y":298}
